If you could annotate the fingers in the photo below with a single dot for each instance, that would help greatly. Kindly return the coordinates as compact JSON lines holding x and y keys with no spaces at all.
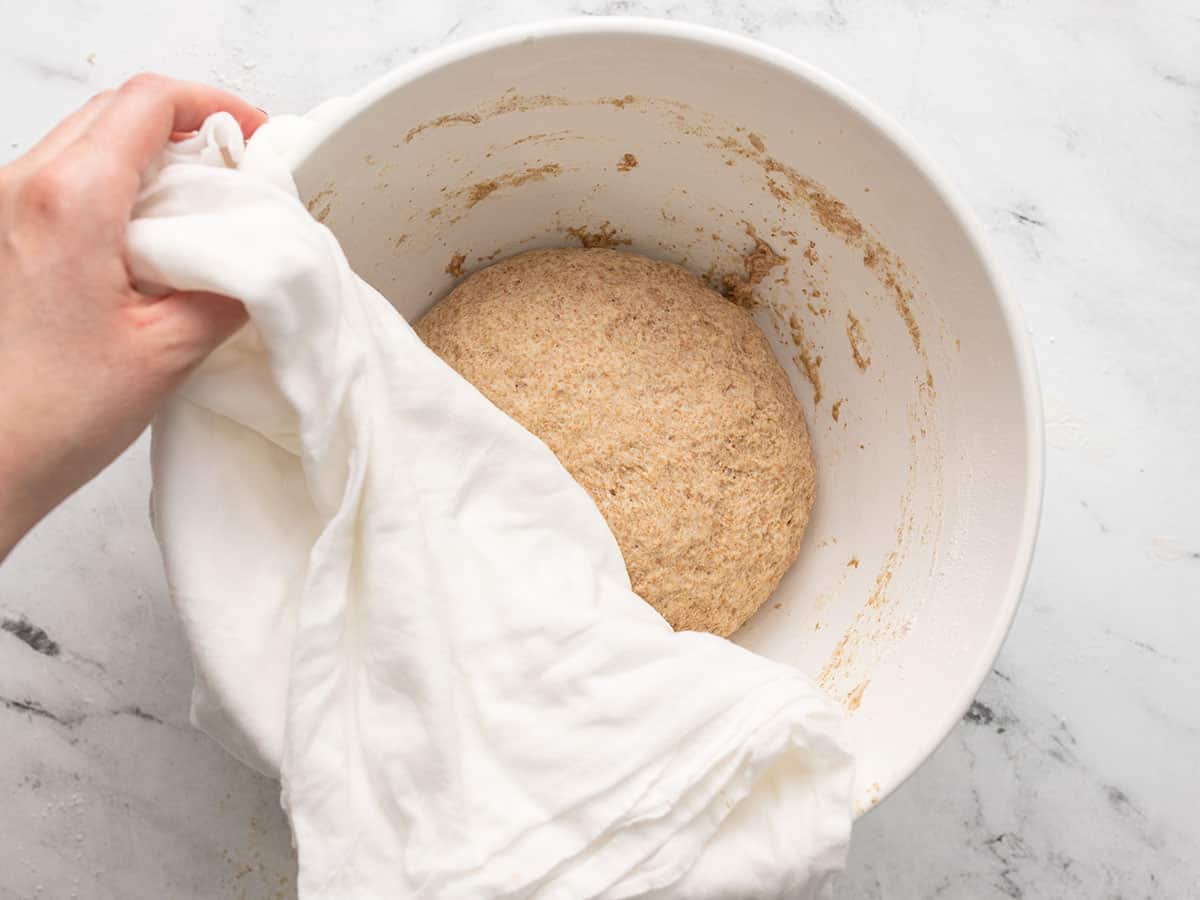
{"x":189,"y":325}
{"x":147,"y":109}
{"x":70,"y":129}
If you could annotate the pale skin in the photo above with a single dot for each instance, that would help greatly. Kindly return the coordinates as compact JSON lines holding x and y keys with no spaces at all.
{"x":85,"y":359}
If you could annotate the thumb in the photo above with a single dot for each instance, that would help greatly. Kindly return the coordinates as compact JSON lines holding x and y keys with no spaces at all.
{"x":189,"y":325}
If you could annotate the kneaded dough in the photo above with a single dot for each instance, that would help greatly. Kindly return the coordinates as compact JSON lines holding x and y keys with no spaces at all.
{"x":663,"y":400}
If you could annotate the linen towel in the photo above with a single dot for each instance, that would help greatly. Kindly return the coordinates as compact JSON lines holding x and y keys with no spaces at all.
{"x":402,"y":605}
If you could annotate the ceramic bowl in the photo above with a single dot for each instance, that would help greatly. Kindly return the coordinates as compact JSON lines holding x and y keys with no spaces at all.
{"x":884,"y":307}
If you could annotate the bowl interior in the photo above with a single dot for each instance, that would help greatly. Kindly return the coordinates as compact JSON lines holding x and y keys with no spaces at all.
{"x":701,"y":148}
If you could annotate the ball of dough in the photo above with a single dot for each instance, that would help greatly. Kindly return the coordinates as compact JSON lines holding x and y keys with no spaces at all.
{"x":663,"y":400}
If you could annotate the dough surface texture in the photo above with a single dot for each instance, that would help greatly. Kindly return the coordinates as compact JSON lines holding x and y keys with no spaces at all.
{"x":663,"y":400}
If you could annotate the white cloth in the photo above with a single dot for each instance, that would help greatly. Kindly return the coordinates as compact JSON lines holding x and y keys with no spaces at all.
{"x":400,"y":602}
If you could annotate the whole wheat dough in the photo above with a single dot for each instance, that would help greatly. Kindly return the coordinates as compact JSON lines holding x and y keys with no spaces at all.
{"x":663,"y":400}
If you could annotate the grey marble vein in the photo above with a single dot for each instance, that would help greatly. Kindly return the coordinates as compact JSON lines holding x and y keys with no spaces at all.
{"x":29,"y":634}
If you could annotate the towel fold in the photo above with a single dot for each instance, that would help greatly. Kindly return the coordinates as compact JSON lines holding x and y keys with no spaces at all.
{"x":401,"y":604}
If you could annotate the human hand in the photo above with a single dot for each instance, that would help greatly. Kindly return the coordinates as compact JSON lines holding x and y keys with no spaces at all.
{"x":85,"y":359}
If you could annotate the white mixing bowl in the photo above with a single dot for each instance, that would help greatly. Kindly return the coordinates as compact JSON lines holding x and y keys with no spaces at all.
{"x":910,"y":359}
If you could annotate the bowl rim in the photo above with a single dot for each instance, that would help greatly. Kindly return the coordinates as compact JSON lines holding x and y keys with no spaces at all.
{"x":342,"y":111}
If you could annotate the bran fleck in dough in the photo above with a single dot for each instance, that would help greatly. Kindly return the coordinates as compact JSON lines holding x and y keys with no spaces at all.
{"x":663,"y":400}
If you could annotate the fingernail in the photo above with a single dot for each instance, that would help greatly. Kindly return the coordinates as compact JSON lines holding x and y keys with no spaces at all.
{"x":263,"y":111}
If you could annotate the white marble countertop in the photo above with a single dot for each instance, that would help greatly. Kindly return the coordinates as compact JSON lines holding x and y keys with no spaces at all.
{"x":1074,"y":131}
